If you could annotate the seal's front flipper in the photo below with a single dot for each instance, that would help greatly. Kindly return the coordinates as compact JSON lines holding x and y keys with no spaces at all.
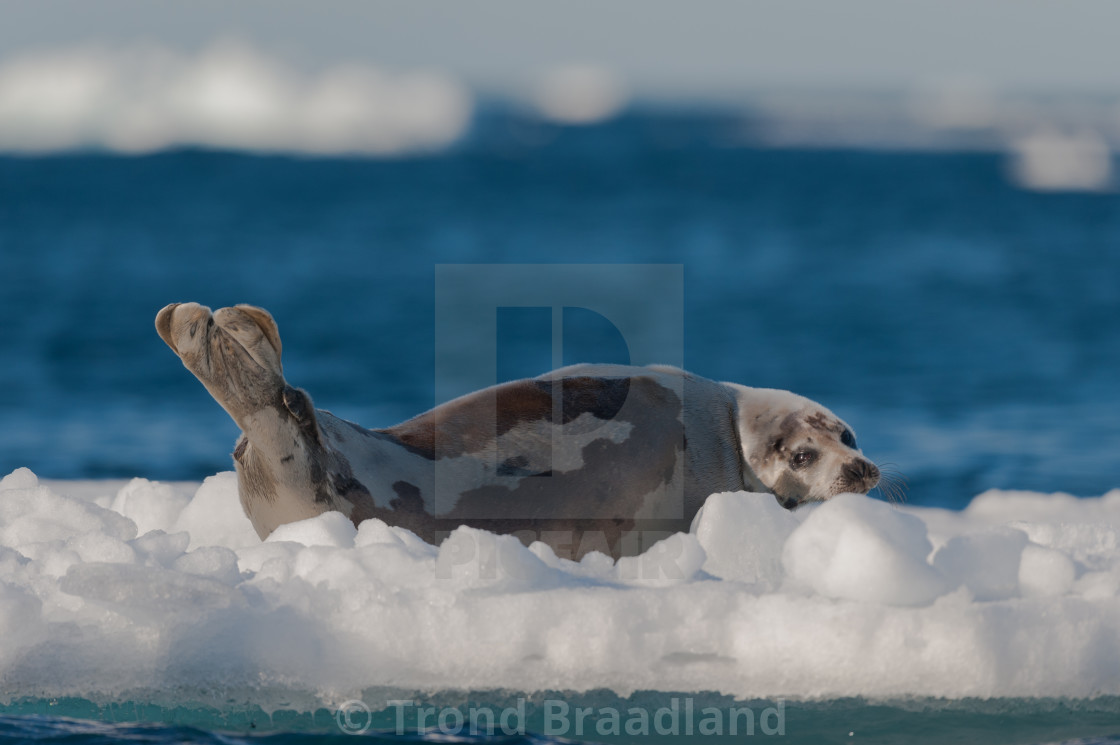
{"x":299,"y":405}
{"x":163,"y":325}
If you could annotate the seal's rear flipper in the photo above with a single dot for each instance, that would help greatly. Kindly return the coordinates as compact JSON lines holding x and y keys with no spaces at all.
{"x":163,"y":325}
{"x":180,"y":324}
{"x":255,"y":331}
{"x":263,"y":318}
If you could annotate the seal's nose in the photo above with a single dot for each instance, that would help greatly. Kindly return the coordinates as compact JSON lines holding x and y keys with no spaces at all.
{"x":861,"y":474}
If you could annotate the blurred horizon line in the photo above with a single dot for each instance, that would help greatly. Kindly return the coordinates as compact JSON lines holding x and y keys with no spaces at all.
{"x":148,"y":97}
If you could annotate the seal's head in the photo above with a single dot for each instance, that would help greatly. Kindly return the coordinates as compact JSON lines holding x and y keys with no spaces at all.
{"x":799,"y":450}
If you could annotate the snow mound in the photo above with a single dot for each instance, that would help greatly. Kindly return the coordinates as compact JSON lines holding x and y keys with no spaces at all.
{"x":106,"y":590}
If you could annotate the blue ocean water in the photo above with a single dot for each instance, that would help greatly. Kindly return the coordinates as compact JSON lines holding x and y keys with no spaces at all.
{"x":967,"y":329}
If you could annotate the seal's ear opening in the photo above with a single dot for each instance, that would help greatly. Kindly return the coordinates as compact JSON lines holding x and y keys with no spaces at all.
{"x":163,"y":325}
{"x":263,"y":319}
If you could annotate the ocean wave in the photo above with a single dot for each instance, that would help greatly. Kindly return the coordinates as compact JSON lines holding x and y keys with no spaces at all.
{"x":148,"y":98}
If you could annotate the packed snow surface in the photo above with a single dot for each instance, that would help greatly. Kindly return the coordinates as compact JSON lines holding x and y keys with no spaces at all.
{"x":109,"y":588}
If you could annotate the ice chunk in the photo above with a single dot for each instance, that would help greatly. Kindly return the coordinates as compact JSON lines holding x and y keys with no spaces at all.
{"x":327,"y":529}
{"x":217,"y":562}
{"x":20,"y":621}
{"x":30,"y":513}
{"x":858,"y":548}
{"x":987,"y":563}
{"x":215,"y":517}
{"x":670,"y":561}
{"x":151,"y":506}
{"x":1045,"y":571}
{"x":161,"y":548}
{"x":742,"y":535}
{"x":18,"y":480}
{"x":475,"y":558}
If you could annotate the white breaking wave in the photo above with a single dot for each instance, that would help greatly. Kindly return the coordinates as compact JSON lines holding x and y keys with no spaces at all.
{"x":106,"y":590}
{"x":579,"y":94}
{"x":1052,"y":160}
{"x":230,"y":96}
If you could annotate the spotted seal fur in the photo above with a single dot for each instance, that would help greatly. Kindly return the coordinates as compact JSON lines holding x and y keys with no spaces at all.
{"x":580,"y":457}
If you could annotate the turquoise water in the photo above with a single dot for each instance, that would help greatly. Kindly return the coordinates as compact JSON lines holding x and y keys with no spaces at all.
{"x":921,"y":721}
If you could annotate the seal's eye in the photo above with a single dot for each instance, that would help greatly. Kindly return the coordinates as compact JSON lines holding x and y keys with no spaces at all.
{"x":803,"y":458}
{"x":848,"y":439}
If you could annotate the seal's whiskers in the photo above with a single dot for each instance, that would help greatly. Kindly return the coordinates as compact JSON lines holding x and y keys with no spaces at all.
{"x":892,"y":483}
